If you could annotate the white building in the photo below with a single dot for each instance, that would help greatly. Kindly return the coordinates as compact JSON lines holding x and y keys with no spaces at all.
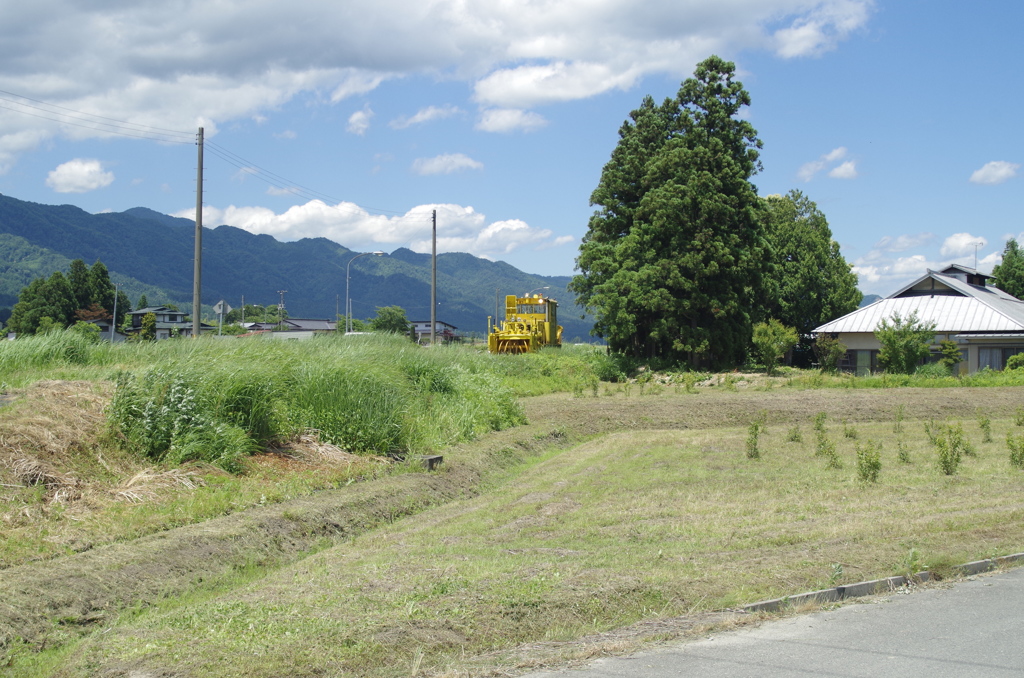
{"x":985,"y":322}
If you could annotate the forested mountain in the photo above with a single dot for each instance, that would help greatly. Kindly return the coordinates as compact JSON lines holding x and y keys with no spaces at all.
{"x":151,"y":253}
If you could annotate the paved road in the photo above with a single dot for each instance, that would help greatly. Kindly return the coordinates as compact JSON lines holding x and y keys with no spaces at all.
{"x":973,"y":628}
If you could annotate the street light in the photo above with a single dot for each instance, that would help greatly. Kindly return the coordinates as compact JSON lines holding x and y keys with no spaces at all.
{"x":348,"y":276}
{"x":546,"y":287}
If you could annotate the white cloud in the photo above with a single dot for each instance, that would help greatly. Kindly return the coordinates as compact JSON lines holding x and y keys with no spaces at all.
{"x":359,"y":121}
{"x":287,"y":134}
{"x":425,"y":115}
{"x":509,"y":120}
{"x":901,"y":243}
{"x":808,"y":170}
{"x":460,"y":229}
{"x":79,"y":176}
{"x":961,"y":244}
{"x":995,"y":172}
{"x":821,"y":29}
{"x":178,"y":65}
{"x":445,"y":164}
{"x":847,"y":170}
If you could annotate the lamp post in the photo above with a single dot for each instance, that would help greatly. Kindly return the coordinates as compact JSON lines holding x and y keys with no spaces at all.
{"x":546,"y":287}
{"x":113,"y":318}
{"x":348,"y":277}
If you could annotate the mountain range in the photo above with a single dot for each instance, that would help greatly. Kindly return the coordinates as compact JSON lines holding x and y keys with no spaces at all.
{"x":151,"y":253}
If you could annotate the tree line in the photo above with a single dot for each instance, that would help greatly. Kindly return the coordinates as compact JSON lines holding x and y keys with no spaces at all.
{"x":682,"y":257}
{"x":83,"y":295}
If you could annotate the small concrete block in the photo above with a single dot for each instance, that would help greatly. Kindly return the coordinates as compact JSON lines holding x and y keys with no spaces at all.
{"x":431,"y":461}
{"x":923,"y":576}
{"x":823,"y":596}
{"x":977,"y":566}
{"x":1012,"y":559}
{"x":865,"y":588}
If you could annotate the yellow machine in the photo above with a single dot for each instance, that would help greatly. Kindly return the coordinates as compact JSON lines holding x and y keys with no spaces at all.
{"x":530,"y":324}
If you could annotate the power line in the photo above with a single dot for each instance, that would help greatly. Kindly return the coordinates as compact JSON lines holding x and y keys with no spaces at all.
{"x":116,"y":127}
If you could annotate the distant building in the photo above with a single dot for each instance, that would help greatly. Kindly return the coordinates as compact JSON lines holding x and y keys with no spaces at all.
{"x":169,"y":323}
{"x":444,"y":331}
{"x":986,"y":323}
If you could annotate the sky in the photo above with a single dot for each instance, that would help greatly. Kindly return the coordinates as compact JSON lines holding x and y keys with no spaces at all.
{"x":355,"y":120}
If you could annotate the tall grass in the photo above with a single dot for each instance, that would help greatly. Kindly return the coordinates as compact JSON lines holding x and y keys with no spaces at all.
{"x":216,"y":401}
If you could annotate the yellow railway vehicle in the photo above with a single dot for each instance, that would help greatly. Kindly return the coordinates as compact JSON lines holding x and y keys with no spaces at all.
{"x":530,"y":323}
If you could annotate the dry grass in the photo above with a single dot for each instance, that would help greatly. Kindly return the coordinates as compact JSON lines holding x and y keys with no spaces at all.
{"x":651,"y":527}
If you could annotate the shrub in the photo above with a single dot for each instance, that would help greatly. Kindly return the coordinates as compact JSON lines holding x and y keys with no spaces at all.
{"x":869,"y":461}
{"x":950,"y":355}
{"x":771,"y":342}
{"x":1015,"y":362}
{"x":830,"y":351}
{"x":904,"y":342}
{"x":1016,"y":445}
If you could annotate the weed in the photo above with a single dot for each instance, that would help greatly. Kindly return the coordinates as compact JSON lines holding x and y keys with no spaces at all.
{"x":729,"y":383}
{"x":835,"y":575}
{"x":849,"y":431}
{"x":914,"y":563}
{"x":949,"y":455}
{"x":931,"y":429}
{"x":985,"y":424}
{"x":819,"y":421}
{"x":827,"y":448}
{"x":1016,"y":445}
{"x":753,"y":432}
{"x":902,"y":454}
{"x":1018,"y":418}
{"x":900,"y":411}
{"x":869,"y":461}
{"x":794,"y":435}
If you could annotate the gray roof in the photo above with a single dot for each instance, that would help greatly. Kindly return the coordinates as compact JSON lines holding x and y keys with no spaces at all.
{"x":955,"y":306}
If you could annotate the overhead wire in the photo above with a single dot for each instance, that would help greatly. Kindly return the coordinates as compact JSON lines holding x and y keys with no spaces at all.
{"x":91,"y":121}
{"x":113,"y":126}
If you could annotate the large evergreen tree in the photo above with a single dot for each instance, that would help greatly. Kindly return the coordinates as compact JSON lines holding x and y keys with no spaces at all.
{"x":811,"y":282}
{"x":1009,"y":275}
{"x":79,"y":279}
{"x":50,"y":298}
{"x":674,"y":259}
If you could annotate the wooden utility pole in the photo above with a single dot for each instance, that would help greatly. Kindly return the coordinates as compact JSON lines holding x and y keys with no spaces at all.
{"x":197,"y":270}
{"x":433,"y":281}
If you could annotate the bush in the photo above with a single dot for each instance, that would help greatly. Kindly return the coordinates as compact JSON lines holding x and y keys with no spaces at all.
{"x":830,"y":351}
{"x":1015,"y":361}
{"x":869,"y":461}
{"x":904,"y":342}
{"x":771,"y":341}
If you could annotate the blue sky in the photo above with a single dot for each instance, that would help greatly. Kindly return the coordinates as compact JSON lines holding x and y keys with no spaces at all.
{"x":898,"y":118}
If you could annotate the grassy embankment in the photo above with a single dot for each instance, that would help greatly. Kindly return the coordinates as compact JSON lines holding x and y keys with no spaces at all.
{"x":192,"y":422}
{"x":629,"y":527}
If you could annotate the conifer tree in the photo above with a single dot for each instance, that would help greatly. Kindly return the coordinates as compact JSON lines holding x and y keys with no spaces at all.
{"x":1009,"y":275}
{"x":674,"y":260}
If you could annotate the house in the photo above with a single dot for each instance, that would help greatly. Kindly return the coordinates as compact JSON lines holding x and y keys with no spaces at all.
{"x":443,"y":331}
{"x":291,"y":328}
{"x":986,"y":323}
{"x":169,"y":322}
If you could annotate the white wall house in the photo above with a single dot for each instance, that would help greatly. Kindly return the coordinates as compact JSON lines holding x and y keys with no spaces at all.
{"x":985,"y":322}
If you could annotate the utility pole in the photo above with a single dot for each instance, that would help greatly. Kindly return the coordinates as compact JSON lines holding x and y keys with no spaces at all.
{"x":280,"y":310}
{"x":198,"y":260}
{"x":433,"y":280}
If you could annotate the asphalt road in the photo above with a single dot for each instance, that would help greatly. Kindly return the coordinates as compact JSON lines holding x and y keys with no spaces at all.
{"x":970,"y":628}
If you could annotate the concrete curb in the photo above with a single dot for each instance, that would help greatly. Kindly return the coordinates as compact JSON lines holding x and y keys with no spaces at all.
{"x":868,"y":588}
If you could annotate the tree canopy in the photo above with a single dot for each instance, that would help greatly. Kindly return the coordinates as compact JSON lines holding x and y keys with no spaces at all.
{"x":84,"y":294}
{"x":811,"y":282}
{"x":1009,"y":275}
{"x":674,"y":261}
{"x":905,"y":342}
{"x":390,"y":319}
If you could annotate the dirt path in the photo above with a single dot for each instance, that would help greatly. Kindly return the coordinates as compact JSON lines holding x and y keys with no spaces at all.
{"x":45,"y":602}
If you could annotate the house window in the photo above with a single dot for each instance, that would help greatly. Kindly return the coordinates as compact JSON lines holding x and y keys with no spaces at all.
{"x":995,"y":358}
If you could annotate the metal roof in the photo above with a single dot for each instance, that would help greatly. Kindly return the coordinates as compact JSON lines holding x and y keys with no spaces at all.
{"x":971,"y":309}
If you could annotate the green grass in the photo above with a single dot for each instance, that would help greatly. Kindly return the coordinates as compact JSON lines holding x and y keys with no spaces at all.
{"x":628,"y":527}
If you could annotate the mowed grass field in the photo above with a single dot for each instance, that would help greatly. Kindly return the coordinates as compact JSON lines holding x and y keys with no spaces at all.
{"x":656,"y":517}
